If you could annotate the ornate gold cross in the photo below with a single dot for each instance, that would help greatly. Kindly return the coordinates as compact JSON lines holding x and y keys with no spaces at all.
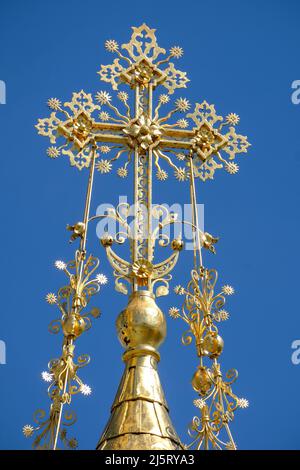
{"x":145,"y":136}
{"x":94,"y":133}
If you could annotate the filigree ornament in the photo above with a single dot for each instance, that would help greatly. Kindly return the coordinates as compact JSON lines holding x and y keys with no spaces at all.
{"x":206,"y":170}
{"x":198,"y":134}
{"x":149,"y":135}
{"x":201,"y":309}
{"x":45,"y":428}
{"x":135,"y":132}
{"x":141,"y":271}
{"x":75,"y":128}
{"x":141,"y":67}
{"x":162,"y":137}
{"x":80,"y":159}
{"x":62,"y":374}
{"x":200,"y":306}
{"x":130,"y":132}
{"x":73,"y":298}
{"x":217,"y":406}
{"x":64,"y":383}
{"x":208,"y":141}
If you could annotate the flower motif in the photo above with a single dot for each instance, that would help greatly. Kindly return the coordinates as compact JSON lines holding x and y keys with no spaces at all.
{"x":103,"y":97}
{"x":54,"y":103}
{"x":85,"y":389}
{"x":78,"y":130}
{"x":179,"y":290}
{"x":206,"y":141}
{"x":111,"y":45}
{"x":47,"y":376}
{"x":101,"y":278}
{"x":95,"y":312}
{"x":73,"y":443}
{"x":161,"y":175}
{"x":174,"y":312}
{"x":243,"y":403}
{"x":176,"y":52}
{"x":199,"y":403}
{"x":222,"y":315}
{"x":122,"y":172}
{"x":104,"y":166}
{"x":181,"y":156}
{"x":182,"y":123}
{"x":231,"y":168}
{"x":143,"y":132}
{"x":142,"y":270}
{"x":28,"y":430}
{"x":104,"y":116}
{"x":60,"y":265}
{"x":53,"y":152}
{"x":182,"y":104}
{"x":164,"y":99}
{"x":209,"y":141}
{"x":181,"y":174}
{"x":142,"y":51}
{"x":227,"y":290}
{"x":233,"y":119}
{"x":104,"y":149}
{"x":51,"y":298}
{"x":142,"y":73}
{"x":123,"y":96}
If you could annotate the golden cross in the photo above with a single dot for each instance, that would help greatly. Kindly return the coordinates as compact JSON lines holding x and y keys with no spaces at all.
{"x":88,"y":130}
{"x":144,"y":135}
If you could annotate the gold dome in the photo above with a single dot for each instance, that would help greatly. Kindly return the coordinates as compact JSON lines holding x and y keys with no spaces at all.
{"x":140,"y":417}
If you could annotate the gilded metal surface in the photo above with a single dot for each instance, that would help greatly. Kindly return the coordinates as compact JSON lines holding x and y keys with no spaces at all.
{"x":201,"y":311}
{"x":147,"y":133}
{"x":143,"y":133}
{"x":139,"y":416}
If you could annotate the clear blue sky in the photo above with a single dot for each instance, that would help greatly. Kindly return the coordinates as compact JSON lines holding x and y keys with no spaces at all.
{"x":242,"y":56}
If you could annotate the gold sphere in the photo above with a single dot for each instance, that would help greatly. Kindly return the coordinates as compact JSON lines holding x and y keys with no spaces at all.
{"x":142,"y":324}
{"x":201,"y":381}
{"x":73,"y":325}
{"x":177,"y":244}
{"x":107,"y":240}
{"x":213,"y":345}
{"x":79,"y":228}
